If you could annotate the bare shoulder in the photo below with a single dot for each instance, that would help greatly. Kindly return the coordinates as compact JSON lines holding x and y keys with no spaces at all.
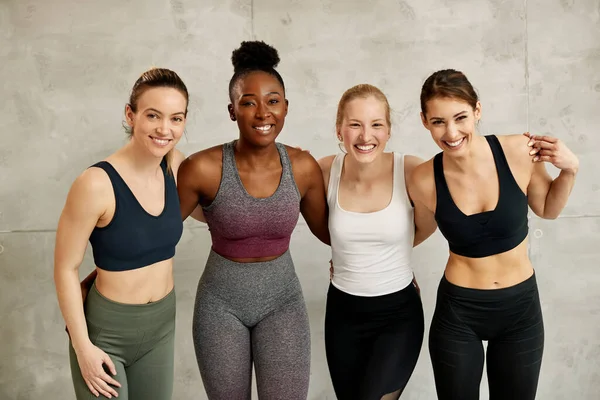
{"x":92,"y":190}
{"x":325,"y":163}
{"x":302,"y":161}
{"x":204,"y":161}
{"x":410,"y":163}
{"x":176,"y":161}
{"x":421,"y":182}
{"x":516,"y":151}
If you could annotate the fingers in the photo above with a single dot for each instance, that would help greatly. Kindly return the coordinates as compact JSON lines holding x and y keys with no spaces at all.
{"x":542,"y":159}
{"x":543,"y":145}
{"x":92,"y":388}
{"x":103,"y":388}
{"x":542,"y":139}
{"x":111,"y":366}
{"x":110,"y":380}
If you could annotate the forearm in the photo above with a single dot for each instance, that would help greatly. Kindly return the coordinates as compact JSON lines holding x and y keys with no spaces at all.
{"x":88,"y":280}
{"x":558,"y":195}
{"x":322,"y":234}
{"x":68,"y":291}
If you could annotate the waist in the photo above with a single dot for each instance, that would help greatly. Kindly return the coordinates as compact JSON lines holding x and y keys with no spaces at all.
{"x":250,"y":249}
{"x":492,"y":272}
{"x":109,"y":314}
{"x":370,"y":283}
{"x":244,"y":281}
{"x":138,"y":286}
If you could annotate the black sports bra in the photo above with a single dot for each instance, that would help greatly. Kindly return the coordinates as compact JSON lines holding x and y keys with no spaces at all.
{"x":490,"y":232}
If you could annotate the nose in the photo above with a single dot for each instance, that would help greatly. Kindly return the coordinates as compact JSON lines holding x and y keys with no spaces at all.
{"x":262,"y":111}
{"x":451,"y":130}
{"x":365,"y":134}
{"x":164,"y":127}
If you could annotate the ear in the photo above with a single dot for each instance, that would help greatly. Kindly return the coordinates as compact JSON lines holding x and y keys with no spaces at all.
{"x":477,"y":111}
{"x":129,"y":115}
{"x":287,"y":104}
{"x":231,"y":112}
{"x":424,"y":121}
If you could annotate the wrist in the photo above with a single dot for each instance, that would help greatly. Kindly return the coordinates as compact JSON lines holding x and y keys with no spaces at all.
{"x":80,"y":343}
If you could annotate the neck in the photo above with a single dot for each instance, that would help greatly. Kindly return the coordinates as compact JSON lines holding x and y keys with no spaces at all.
{"x":363,"y":172}
{"x":469,"y":160}
{"x":140,"y":160}
{"x":256,"y":156}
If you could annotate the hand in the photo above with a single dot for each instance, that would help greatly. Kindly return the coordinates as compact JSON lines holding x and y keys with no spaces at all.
{"x":414,"y":282}
{"x":554,"y":151}
{"x":91,"y":363}
{"x":301,"y":149}
{"x":330,"y":270}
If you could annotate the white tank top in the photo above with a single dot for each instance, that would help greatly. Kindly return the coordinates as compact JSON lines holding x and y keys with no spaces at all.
{"x":371,"y":252}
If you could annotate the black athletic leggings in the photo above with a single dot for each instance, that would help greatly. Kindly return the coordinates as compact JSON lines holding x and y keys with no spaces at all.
{"x":510,"y":319}
{"x":372,"y":343}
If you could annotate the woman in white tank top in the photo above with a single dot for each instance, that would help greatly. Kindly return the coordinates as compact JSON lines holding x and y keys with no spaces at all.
{"x":374,"y":318}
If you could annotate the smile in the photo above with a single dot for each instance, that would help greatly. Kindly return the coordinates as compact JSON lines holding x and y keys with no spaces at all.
{"x":364,"y":148}
{"x":454,"y":144}
{"x":264,"y":129}
{"x":160,"y":142}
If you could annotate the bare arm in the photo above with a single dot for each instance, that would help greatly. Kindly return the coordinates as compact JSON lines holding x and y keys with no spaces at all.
{"x":178,"y":159}
{"x":314,"y":202}
{"x":82,"y":210}
{"x":85,"y":206}
{"x":187,"y":187}
{"x":425,"y":224}
{"x":548,"y":197}
{"x":325,"y":165}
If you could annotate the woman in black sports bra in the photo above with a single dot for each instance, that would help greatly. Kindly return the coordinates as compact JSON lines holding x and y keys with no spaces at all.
{"x":480,"y":190}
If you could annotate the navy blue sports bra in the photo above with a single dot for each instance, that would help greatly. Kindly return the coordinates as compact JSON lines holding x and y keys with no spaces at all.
{"x":490,"y":232}
{"x":134,"y":238}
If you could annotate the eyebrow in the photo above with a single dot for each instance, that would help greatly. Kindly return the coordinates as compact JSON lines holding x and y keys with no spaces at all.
{"x":158,"y":112}
{"x":356,"y":120}
{"x":253,"y":95}
{"x":454,"y":116}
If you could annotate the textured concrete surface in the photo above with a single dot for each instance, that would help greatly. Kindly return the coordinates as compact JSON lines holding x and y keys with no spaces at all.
{"x":67,"y":67}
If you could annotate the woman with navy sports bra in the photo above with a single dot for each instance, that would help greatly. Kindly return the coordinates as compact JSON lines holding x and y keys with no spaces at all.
{"x":249,"y":305}
{"x":374,"y":318}
{"x":479,"y":189}
{"x":122,"y":333}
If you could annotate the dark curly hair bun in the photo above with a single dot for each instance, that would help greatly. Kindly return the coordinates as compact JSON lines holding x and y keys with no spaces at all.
{"x":254,"y":55}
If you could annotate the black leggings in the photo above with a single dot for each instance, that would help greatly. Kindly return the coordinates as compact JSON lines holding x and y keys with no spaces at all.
{"x":510,"y":319}
{"x":372,"y":343}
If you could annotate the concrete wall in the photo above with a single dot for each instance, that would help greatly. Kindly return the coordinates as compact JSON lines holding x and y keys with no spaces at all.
{"x":66,"y":67}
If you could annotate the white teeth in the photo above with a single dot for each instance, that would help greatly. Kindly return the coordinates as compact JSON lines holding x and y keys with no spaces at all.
{"x":162,"y":142}
{"x":263,"y":128}
{"x":365,"y":147}
{"x":454,"y":144}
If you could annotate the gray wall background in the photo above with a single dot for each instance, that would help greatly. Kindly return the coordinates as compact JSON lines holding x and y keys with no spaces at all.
{"x":67,"y":66}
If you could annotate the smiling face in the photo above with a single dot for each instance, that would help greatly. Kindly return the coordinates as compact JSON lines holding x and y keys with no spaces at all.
{"x":259,"y":107}
{"x":364,"y":130}
{"x":157,"y":120}
{"x":452,"y":123}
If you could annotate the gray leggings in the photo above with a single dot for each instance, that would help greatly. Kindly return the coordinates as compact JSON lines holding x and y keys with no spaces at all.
{"x":140,"y":341}
{"x":252,"y":313}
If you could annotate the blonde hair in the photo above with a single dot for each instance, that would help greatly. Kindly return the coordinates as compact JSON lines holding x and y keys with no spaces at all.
{"x":363,"y":91}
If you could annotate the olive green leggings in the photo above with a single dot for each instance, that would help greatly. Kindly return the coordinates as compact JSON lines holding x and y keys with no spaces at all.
{"x":140,"y":342}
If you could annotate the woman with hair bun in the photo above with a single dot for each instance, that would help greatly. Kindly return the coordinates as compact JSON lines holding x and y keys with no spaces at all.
{"x":249,"y":306}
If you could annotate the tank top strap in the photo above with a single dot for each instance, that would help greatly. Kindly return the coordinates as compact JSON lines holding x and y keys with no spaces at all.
{"x":441,"y":186}
{"x":499,"y":157}
{"x":288,"y":182}
{"x":335,"y":174}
